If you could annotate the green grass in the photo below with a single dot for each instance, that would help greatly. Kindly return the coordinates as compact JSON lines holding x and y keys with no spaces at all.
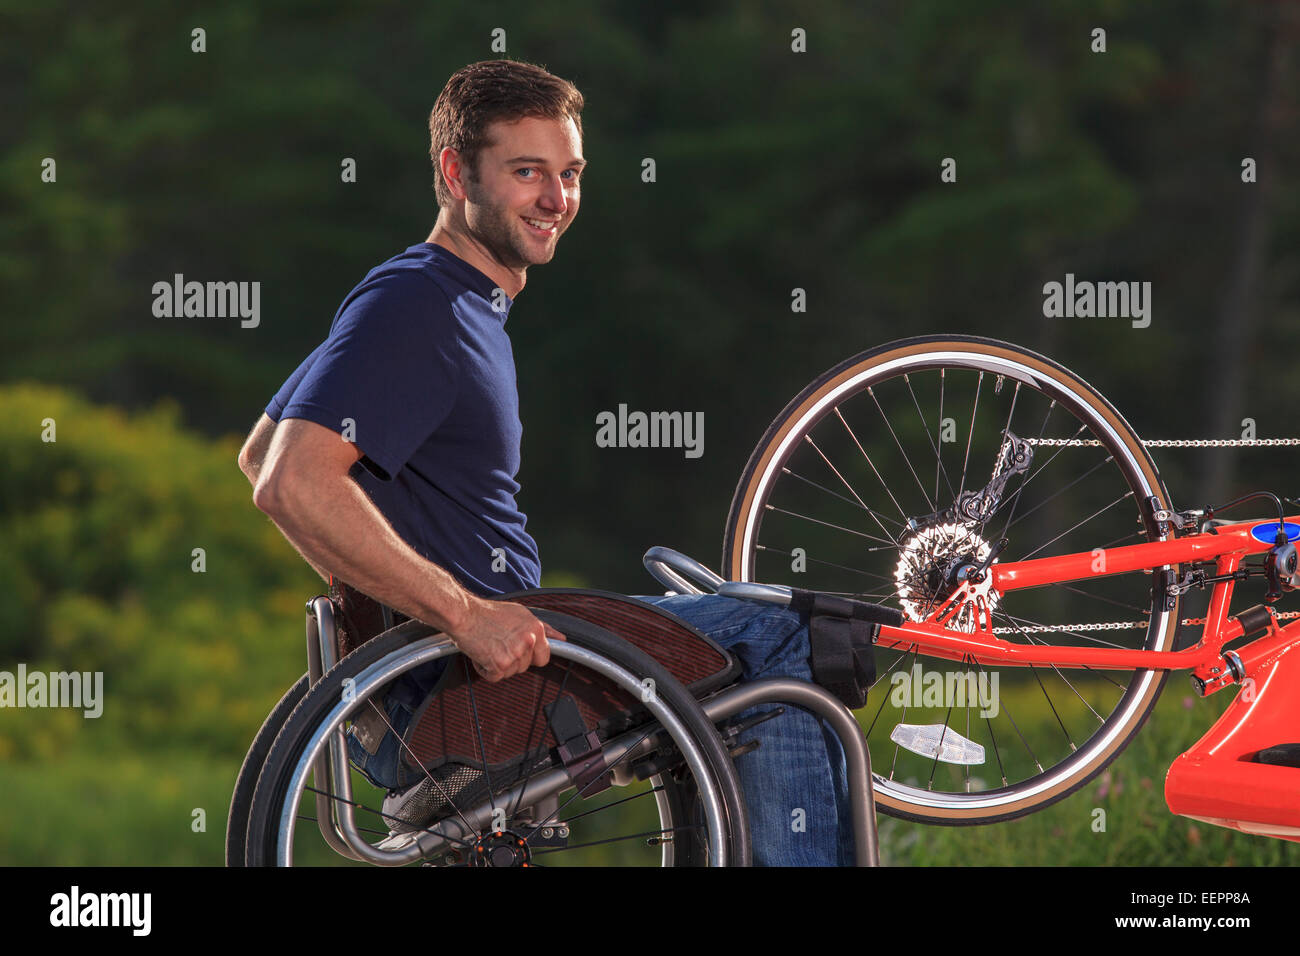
{"x":1138,"y":829}
{"x":100,"y":807}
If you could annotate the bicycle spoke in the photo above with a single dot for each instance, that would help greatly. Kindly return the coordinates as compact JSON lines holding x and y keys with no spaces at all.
{"x":930,"y":504}
{"x":1045,"y":735}
{"x":870,"y":463}
{"x":1099,"y":511}
{"x":1060,"y":492}
{"x":1068,"y":586}
{"x":842,"y":567}
{"x":970,"y":434}
{"x":1006,"y":710}
{"x":1048,"y":698}
{"x":871,"y":511}
{"x":837,"y":527}
{"x":938,"y":457}
{"x":1015,"y":497}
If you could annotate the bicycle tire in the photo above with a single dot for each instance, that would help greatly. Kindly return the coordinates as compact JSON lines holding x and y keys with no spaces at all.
{"x":885,"y":381}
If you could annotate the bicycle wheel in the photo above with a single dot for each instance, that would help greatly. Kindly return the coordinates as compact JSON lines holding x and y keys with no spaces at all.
{"x":510,"y":801}
{"x":898,"y":466}
{"x":241,"y":800}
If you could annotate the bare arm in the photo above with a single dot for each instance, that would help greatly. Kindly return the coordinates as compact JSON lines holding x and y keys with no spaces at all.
{"x":303,"y":484}
{"x":251,"y":457}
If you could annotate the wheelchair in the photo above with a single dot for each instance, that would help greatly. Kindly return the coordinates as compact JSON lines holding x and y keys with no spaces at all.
{"x":618,"y":752}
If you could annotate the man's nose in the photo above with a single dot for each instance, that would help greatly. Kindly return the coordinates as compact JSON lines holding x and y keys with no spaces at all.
{"x":553,"y":195}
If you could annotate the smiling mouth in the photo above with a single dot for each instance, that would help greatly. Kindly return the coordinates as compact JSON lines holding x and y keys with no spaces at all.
{"x":542,"y":227}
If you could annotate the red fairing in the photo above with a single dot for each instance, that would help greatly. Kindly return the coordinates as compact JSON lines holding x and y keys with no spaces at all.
{"x":1218,"y":781}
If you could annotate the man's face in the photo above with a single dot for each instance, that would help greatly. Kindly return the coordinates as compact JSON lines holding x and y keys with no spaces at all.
{"x":527,"y":190}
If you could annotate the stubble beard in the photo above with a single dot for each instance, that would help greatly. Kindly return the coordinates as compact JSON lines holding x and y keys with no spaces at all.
{"x":500,"y":230}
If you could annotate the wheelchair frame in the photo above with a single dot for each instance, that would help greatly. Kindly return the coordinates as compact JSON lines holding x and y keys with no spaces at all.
{"x":330,"y":763}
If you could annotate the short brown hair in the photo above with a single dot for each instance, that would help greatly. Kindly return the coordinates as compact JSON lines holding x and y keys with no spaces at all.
{"x":483,"y":93}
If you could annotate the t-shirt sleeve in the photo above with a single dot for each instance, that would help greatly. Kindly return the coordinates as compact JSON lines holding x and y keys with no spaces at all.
{"x":387,"y":375}
{"x":275,"y":408}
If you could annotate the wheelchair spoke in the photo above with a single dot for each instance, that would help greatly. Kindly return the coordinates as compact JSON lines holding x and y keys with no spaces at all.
{"x":478,"y":730}
{"x":582,"y":792}
{"x":613,"y":803}
{"x":564,"y":683}
{"x":630,"y":836}
{"x":418,"y":763}
{"x":385,"y":817}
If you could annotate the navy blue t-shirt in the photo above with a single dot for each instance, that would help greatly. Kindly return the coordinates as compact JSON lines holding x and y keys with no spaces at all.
{"x":419,"y":371}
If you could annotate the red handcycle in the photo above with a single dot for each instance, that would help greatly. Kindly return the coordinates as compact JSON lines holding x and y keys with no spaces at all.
{"x":1021,"y":527}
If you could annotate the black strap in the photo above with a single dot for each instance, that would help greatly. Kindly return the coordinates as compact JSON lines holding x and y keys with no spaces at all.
{"x":579,"y":747}
{"x":842,"y":635}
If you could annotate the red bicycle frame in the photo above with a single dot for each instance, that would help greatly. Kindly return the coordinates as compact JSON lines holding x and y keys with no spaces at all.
{"x":1218,"y":780}
{"x":1227,"y":546}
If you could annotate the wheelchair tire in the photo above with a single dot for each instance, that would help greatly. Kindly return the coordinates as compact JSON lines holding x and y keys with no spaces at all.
{"x":241,"y":801}
{"x":323,"y":707}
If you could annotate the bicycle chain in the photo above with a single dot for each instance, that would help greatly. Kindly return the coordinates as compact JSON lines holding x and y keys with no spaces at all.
{"x":1173,"y":442}
{"x":1107,"y":625}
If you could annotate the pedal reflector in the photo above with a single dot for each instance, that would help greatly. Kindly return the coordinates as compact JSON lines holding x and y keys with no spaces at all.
{"x":935,"y":740}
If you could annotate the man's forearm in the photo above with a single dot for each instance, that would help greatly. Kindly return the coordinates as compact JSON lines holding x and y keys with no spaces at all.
{"x":335,"y":525}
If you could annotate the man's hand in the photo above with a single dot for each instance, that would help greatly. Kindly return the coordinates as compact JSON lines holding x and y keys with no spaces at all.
{"x":503,"y":639}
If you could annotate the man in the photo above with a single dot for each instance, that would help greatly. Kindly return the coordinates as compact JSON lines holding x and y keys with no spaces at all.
{"x":415,"y":506}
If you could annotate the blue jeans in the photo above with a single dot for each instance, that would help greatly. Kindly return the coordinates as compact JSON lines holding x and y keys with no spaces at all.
{"x":799,"y":765}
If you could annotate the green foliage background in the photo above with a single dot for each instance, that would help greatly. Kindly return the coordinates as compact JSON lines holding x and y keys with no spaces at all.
{"x":775,"y":171}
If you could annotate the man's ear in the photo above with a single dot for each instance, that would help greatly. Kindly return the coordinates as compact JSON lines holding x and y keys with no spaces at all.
{"x":453,"y":171}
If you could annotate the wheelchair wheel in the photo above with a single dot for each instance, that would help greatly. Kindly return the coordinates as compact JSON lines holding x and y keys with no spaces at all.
{"x":241,"y":801}
{"x":896,"y":466}
{"x":676,"y":798}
